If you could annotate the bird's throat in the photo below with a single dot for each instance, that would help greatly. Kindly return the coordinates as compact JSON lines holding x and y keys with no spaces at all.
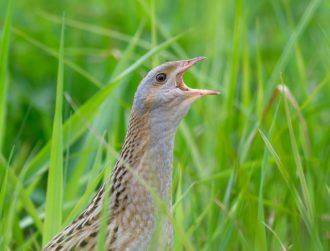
{"x":148,"y":147}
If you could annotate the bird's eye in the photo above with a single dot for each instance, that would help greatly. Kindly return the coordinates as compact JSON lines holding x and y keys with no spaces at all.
{"x":161,"y":77}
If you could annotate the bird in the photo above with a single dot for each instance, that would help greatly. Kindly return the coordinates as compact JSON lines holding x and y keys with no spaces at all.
{"x":143,"y":169}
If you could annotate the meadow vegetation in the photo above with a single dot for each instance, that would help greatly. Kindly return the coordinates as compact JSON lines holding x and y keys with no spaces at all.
{"x":251,"y":166}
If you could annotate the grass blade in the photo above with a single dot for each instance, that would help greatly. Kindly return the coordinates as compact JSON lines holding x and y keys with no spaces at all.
{"x":4,"y":75}
{"x":53,"y":210}
{"x":53,"y":53}
{"x":27,"y":202}
{"x":283,"y":60}
{"x":93,"y":29}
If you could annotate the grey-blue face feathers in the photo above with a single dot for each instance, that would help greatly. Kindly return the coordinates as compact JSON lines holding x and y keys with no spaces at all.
{"x":163,"y":93}
{"x":157,"y":87}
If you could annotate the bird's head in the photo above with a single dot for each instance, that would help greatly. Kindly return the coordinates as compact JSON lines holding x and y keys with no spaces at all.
{"x":164,"y":95}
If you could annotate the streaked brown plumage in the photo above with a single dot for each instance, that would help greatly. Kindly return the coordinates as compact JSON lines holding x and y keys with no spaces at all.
{"x":159,"y":106}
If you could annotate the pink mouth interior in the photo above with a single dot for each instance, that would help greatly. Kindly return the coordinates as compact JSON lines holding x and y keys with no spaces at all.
{"x":186,"y":65}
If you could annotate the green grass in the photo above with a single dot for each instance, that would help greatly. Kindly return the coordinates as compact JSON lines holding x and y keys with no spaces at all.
{"x":251,"y":166}
{"x":4,"y":75}
{"x":54,"y":195}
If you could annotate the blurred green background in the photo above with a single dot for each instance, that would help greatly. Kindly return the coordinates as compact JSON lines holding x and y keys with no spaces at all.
{"x":251,"y":167}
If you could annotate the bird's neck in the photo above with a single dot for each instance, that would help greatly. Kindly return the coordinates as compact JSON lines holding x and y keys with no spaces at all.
{"x":149,"y":146}
{"x":161,"y":155}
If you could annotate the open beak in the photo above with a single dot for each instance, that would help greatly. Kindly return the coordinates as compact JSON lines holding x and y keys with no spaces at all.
{"x":185,"y":65}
